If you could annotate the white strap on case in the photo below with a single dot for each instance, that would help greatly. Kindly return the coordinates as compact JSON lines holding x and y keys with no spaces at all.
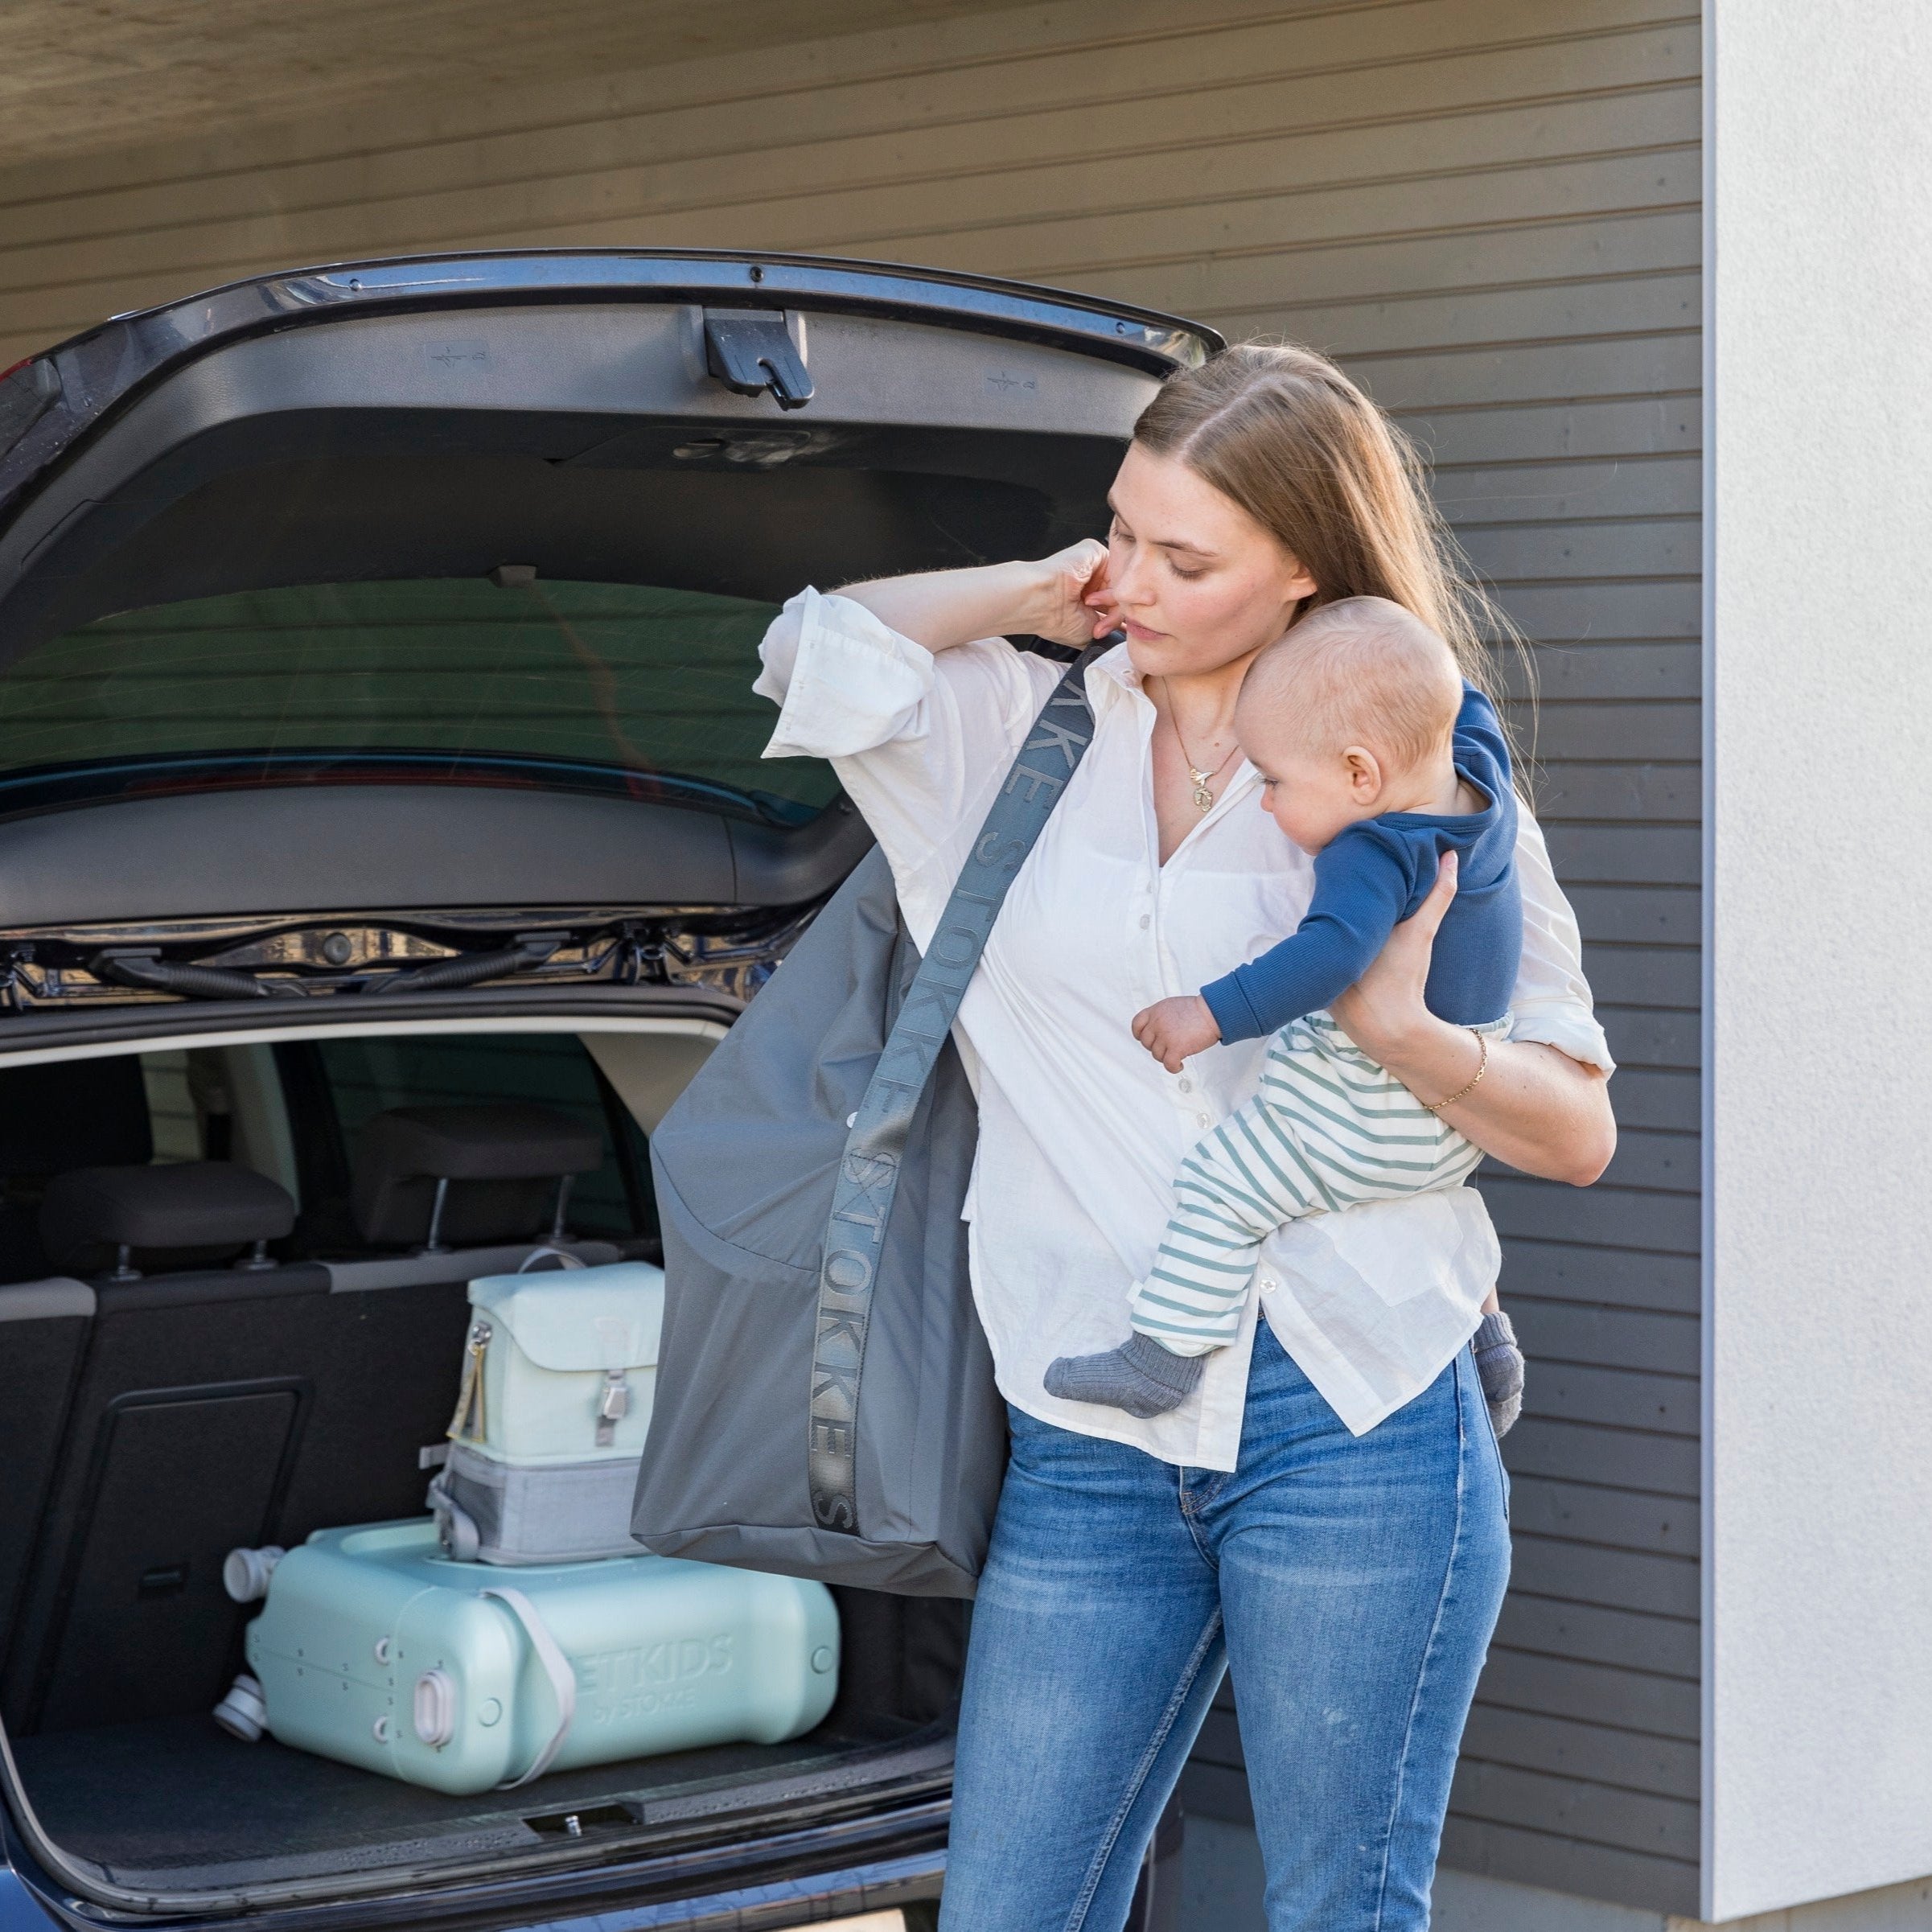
{"x":557,"y":1667}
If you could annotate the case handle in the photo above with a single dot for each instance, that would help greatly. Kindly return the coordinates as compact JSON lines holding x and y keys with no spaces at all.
{"x":550,"y":1249}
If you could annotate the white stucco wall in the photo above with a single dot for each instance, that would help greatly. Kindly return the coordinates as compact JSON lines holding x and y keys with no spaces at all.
{"x":1818,"y":1762}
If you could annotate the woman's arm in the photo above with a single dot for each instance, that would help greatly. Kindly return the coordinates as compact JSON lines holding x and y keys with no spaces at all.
{"x":919,"y":739}
{"x":1535,"y":1108}
{"x":941,"y":608}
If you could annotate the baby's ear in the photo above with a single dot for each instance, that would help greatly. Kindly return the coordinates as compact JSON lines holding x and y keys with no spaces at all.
{"x":1364,"y":771}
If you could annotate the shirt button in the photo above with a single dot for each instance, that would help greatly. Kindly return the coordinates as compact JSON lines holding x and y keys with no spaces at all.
{"x":1145,"y":922}
{"x":1187,"y":1086}
{"x":1200,"y":1119}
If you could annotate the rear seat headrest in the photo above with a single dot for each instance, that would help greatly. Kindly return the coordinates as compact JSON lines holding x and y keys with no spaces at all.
{"x":524,"y":1149}
{"x":190,"y":1208}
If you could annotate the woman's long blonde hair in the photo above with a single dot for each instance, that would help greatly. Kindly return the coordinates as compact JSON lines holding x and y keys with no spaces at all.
{"x":1283,"y":432}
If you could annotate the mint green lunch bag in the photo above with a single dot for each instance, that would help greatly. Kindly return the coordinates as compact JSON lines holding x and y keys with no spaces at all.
{"x":560,"y":1374}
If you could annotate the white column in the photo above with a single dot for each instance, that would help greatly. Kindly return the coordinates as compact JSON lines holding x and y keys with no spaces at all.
{"x":1817,"y":1633}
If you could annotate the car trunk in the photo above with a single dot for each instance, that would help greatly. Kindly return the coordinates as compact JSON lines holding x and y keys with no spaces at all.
{"x":376,"y":731}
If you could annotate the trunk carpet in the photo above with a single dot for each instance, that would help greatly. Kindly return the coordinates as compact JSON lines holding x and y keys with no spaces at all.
{"x":178,"y":1792}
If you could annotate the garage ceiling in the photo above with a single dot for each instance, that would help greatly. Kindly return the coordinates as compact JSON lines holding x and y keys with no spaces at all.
{"x":76,"y":75}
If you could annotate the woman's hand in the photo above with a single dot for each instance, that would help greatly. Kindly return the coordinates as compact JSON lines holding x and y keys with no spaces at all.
{"x":1535,"y":1106}
{"x":1384,"y":1012}
{"x":1074,"y":606}
{"x":1048,"y":597}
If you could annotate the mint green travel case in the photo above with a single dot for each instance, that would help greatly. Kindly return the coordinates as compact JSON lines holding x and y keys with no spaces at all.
{"x":376,"y":1649}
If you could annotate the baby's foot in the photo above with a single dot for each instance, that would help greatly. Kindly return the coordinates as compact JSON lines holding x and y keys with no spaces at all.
{"x":1140,"y":1376}
{"x":1499,"y":1368}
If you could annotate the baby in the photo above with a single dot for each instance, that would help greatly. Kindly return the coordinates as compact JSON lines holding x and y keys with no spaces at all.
{"x":1376,"y":759}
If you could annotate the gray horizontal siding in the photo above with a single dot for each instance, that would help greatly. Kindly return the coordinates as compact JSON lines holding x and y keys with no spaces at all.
{"x":1567,"y":1391}
{"x":1561,"y":1859}
{"x":1599,"y":1633}
{"x":1536,"y":329}
{"x":1566,"y":1272}
{"x":1596,"y":1753}
{"x":1606,"y":1577}
{"x":1558,"y":403}
{"x":1489,"y":209}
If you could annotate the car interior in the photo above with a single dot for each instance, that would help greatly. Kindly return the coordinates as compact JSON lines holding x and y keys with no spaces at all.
{"x":219,"y":1330}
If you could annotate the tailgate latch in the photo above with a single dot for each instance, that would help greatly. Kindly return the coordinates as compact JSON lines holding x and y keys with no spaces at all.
{"x":751,"y":351}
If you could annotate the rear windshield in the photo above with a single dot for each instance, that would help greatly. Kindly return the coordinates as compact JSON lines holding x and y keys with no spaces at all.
{"x":576,"y":686}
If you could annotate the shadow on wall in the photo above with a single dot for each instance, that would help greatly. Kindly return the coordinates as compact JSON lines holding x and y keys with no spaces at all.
{"x":1221,"y":1882}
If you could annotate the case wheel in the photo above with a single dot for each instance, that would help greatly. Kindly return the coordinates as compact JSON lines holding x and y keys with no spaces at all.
{"x":245,"y":1573}
{"x":244,"y":1713}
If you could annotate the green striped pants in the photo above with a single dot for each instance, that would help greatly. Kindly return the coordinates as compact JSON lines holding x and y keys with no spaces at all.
{"x":1330,"y":1129}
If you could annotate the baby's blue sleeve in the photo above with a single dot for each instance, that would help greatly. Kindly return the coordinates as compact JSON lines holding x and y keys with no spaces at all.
{"x":1478,"y":728}
{"x":1363,"y":881}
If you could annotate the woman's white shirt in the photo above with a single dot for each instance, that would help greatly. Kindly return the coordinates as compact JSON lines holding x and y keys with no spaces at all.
{"x":1081,"y":1130}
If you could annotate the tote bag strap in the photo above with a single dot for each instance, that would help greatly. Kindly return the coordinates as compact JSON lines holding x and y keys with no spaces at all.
{"x":869,"y":1171}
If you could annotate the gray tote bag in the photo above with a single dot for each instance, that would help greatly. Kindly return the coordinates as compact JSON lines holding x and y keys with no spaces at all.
{"x":825,"y":1404}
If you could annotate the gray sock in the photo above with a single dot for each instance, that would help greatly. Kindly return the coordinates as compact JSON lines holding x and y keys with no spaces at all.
{"x":1499,"y":1368}
{"x":1140,"y":1376}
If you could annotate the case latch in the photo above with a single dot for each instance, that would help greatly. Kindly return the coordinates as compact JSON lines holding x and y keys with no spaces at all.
{"x":613,"y":1406}
{"x":751,"y":351}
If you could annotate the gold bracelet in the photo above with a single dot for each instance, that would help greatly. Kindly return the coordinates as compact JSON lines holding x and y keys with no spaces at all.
{"x":1463,"y":1093}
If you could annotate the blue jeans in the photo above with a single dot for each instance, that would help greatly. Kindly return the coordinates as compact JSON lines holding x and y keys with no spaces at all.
{"x":1351,"y":1582}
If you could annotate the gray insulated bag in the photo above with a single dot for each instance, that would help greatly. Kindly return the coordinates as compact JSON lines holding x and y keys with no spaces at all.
{"x":825,"y":1404}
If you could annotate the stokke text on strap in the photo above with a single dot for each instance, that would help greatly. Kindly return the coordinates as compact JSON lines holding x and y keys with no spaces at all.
{"x":869,"y":1171}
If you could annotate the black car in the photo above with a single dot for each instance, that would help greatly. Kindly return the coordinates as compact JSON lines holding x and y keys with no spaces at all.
{"x":376,"y":730}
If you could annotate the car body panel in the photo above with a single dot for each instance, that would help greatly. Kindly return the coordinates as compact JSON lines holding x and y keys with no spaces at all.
{"x":555,"y":413}
{"x":789,"y":1874}
{"x":566,"y":413}
{"x":569,"y":341}
{"x":97,"y":371}
{"x":361,"y":442}
{"x":370,"y":847}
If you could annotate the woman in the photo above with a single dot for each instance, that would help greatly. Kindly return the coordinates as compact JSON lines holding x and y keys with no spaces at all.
{"x":1326,"y":1514}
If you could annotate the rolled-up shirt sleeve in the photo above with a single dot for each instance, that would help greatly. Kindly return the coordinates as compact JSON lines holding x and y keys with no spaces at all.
{"x":845,"y":682}
{"x":1552,"y":1004}
{"x":919,"y":741}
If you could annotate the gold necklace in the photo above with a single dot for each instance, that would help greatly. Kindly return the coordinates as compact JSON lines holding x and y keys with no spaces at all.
{"x":1204,"y":797}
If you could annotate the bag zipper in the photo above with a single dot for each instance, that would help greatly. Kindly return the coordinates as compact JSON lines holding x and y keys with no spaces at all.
{"x":470,"y":1396}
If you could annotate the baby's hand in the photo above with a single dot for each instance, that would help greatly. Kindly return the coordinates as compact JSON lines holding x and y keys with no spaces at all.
{"x":1173,"y":1030}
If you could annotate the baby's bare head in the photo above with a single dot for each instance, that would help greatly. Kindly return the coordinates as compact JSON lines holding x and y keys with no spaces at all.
{"x":1364,"y":672}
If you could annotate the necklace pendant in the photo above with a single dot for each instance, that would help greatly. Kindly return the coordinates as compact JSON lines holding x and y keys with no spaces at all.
{"x":1204,"y":800}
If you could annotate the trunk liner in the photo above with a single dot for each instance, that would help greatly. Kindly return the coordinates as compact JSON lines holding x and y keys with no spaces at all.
{"x":178,"y":1793}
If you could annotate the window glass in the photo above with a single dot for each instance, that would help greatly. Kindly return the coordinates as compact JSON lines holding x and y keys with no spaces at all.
{"x":576,"y":686}
{"x":218,"y":1103}
{"x":367,"y":1076}
{"x":172,"y":1119}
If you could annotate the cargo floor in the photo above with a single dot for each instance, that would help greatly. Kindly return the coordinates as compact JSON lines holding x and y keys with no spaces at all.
{"x":178,"y":1793}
